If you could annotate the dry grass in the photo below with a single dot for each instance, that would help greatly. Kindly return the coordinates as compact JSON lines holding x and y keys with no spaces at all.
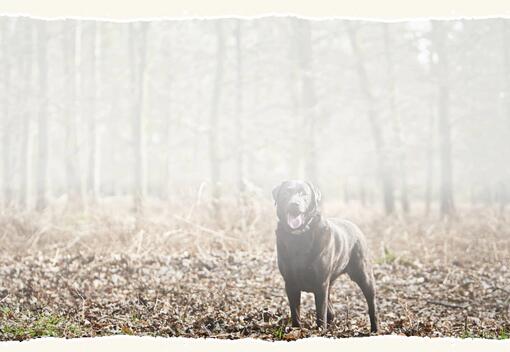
{"x":480,"y":234}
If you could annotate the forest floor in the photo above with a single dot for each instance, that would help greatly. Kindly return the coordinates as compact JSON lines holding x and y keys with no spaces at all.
{"x":183,"y":278}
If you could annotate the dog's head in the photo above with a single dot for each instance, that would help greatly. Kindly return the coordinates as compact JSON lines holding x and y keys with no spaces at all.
{"x":296,"y":203}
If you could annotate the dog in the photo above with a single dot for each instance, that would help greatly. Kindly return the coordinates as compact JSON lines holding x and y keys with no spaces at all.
{"x":313,"y":252}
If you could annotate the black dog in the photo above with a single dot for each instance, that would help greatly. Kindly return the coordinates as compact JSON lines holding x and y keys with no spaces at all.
{"x":313,"y":252}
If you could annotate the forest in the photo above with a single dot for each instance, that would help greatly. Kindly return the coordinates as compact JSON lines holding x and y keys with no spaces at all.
{"x":137,"y":161}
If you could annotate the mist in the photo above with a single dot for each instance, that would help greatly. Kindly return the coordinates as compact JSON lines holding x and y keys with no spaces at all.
{"x":396,"y":116}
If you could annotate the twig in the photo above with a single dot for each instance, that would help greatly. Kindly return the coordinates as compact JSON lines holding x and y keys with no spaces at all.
{"x":449,"y":305}
{"x":197,"y":201}
{"x":205,"y":229}
{"x":140,"y":241}
{"x":155,"y":303}
{"x":501,"y":289}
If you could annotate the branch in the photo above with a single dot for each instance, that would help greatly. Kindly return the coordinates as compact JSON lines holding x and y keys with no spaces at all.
{"x":449,"y":305}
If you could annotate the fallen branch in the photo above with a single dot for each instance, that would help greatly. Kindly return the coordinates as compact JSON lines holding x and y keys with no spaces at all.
{"x":449,"y":305}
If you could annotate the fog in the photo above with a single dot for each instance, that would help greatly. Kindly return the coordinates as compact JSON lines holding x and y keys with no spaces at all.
{"x":399,"y":116}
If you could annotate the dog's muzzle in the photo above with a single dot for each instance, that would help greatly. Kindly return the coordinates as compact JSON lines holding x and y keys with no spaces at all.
{"x":295,"y":221}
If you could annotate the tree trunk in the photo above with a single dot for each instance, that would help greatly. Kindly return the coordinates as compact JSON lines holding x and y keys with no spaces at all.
{"x":137,"y":43}
{"x":42,"y":116}
{"x":505,"y":33}
{"x":213,"y":122}
{"x":308,"y":96}
{"x":94,"y":78}
{"x":239,"y":113}
{"x":377,"y":134}
{"x":444,"y":129}
{"x":71,"y":62}
{"x":25,"y":151}
{"x":169,"y":149}
{"x":430,"y":158}
{"x":362,"y":193}
{"x":346,"y":192}
{"x":168,"y":131}
{"x":395,"y":117}
{"x":295,"y":153}
{"x":113,"y":145}
{"x":6,"y":118}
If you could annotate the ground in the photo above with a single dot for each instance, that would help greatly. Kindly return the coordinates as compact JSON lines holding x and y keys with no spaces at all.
{"x":94,"y":275}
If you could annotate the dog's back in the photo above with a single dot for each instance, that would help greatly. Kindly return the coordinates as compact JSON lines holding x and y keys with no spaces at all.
{"x":349,"y":242}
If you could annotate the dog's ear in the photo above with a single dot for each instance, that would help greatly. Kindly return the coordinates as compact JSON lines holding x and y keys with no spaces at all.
{"x":316,"y":194}
{"x":276,"y":192}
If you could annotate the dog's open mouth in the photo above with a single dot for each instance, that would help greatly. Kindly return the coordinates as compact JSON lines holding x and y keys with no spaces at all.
{"x":295,"y":221}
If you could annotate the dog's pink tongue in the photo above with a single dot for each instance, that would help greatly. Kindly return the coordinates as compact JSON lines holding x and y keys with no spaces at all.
{"x":295,"y":221}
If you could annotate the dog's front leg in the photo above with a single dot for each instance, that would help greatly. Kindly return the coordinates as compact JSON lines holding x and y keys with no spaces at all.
{"x":321,"y":305}
{"x":294,"y":296}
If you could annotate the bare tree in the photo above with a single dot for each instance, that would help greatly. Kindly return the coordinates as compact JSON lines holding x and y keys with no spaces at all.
{"x":505,"y":47}
{"x":42,"y":115}
{"x":239,"y":111}
{"x":112,"y":145}
{"x":505,"y":34}
{"x":373,"y":117}
{"x":439,"y":35}
{"x":168,"y":131}
{"x":430,"y":156}
{"x":6,"y":118}
{"x":214,"y":119}
{"x":308,"y":95}
{"x":137,"y":55}
{"x":93,"y":98}
{"x":296,"y":146}
{"x":25,"y":152}
{"x":395,"y":117}
{"x":71,"y":62}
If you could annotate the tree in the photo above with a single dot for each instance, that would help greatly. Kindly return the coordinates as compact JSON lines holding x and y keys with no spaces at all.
{"x":308,"y":96}
{"x":26,"y":74}
{"x":42,"y":115}
{"x":168,"y":127}
{"x":137,"y":55}
{"x":71,"y":86}
{"x":6,"y":119}
{"x":430,"y":155}
{"x":505,"y":34}
{"x":239,"y":111}
{"x":395,"y":117}
{"x":94,"y":78}
{"x":439,"y":36}
{"x":295,"y":153}
{"x":214,"y":158}
{"x":373,"y":117}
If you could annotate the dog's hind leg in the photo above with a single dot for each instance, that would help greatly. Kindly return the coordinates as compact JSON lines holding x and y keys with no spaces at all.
{"x":360,"y":271}
{"x":331,"y":312}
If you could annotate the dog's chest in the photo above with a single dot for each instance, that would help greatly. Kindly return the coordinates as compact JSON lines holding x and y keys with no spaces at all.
{"x":297,"y":264}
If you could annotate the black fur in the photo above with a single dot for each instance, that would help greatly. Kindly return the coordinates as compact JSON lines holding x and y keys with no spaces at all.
{"x":312,"y":258}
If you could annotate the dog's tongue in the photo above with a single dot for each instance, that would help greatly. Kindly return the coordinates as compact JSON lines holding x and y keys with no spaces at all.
{"x":295,"y":221}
